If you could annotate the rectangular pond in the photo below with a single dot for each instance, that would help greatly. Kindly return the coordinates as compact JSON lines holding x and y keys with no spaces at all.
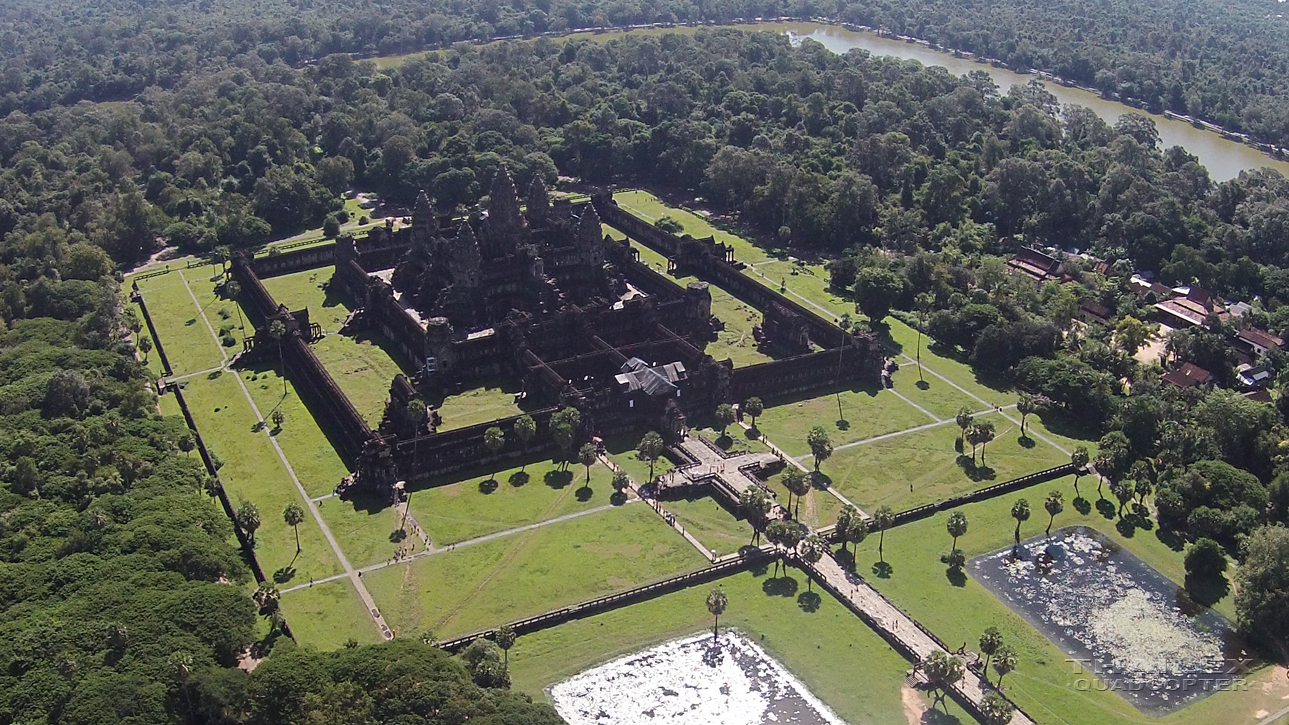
{"x":691,"y":681}
{"x":1115,"y":616}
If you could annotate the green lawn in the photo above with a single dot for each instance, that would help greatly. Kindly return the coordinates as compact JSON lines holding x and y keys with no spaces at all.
{"x":475,"y":505}
{"x":933,"y":394}
{"x":650,"y":208}
{"x":493,"y":400}
{"x":305,"y":290}
{"x":311,"y":454}
{"x":326,"y":615}
{"x":185,"y":336}
{"x":363,"y":527}
{"x":830,"y":650}
{"x":818,"y":507}
{"x":710,"y":523}
{"x":487,"y":584}
{"x":881,"y":473}
{"x":868,"y":412}
{"x":623,"y":452}
{"x":959,"y":612}
{"x":252,"y":470}
{"x":363,"y":367}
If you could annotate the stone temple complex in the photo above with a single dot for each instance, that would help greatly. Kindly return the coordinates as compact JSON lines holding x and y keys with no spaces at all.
{"x":535,"y":291}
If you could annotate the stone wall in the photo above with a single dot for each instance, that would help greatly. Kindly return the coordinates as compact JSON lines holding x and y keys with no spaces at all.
{"x":298,"y":260}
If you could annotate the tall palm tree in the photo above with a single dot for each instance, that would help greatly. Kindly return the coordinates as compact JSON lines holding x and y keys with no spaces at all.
{"x":277,"y":331}
{"x":293,"y":515}
{"x":990,"y":641}
{"x":494,"y":439}
{"x":924,"y":302}
{"x":1080,"y":458}
{"x":525,"y":429}
{"x":1020,"y":512}
{"x":650,"y":448}
{"x":716,"y":604}
{"x":1055,"y":504}
{"x":883,"y":519}
{"x":586,"y":455}
{"x":956,"y":526}
{"x":798,"y":484}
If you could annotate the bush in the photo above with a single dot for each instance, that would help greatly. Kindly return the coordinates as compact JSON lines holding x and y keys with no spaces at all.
{"x":1205,"y":559}
{"x":363,"y":220}
{"x":669,"y":224}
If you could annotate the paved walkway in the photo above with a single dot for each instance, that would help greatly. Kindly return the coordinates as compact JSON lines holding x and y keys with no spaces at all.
{"x":354,"y":577}
{"x":894,"y":624}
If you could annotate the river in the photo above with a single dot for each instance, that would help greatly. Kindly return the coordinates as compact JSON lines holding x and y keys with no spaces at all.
{"x":1223,"y":157}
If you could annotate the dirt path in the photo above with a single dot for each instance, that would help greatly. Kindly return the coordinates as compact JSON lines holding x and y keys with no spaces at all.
{"x":914,"y":708}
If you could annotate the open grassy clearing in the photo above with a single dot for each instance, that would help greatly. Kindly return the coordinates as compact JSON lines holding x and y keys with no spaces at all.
{"x":818,"y":507}
{"x":867,"y":412}
{"x":622,"y":450}
{"x":933,"y":394}
{"x":483,"y":404}
{"x":306,"y":290}
{"x":325,"y":616}
{"x":991,"y":388}
{"x":480,"y":503}
{"x":831,"y":651}
{"x":735,"y":440}
{"x":188,"y":343}
{"x":959,"y":611}
{"x":363,"y":367}
{"x":651,"y":208}
{"x":315,"y":461}
{"x":709,"y":522}
{"x":921,"y":467}
{"x":364,"y":527}
{"x":252,"y":470}
{"x":487,"y":584}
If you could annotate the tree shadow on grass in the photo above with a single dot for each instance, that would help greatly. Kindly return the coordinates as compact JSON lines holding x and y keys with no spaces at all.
{"x":781,"y":586}
{"x":752,"y":433}
{"x":809,"y":602}
{"x":843,"y":424}
{"x":488,"y":486}
{"x":558,"y":479}
{"x":397,"y":536}
{"x":1126,"y":527}
{"x":617,"y":498}
{"x":977,"y":472}
{"x":820,"y":481}
{"x":584,"y":493}
{"x":1106,"y":508}
{"x":1082,"y":505}
{"x":923,"y":385}
{"x":518,"y":478}
{"x":1025,"y":441}
{"x":957,"y":577}
{"x":1170,"y":539}
{"x":284,"y":575}
{"x":261,"y":649}
{"x":845,"y":558}
{"x":883,"y":570}
{"x":936,"y":717}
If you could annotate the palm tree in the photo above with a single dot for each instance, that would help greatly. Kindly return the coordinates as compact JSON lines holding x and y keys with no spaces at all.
{"x":180,"y":664}
{"x":943,"y":671}
{"x":984,"y":433}
{"x":753,"y":407}
{"x":234,"y":291}
{"x":1026,"y":406}
{"x":248,"y":517}
{"x":620,"y":481}
{"x":1122,"y":492}
{"x":145,"y":346}
{"x":267,"y":598}
{"x":844,"y":517}
{"x":505,"y":639}
{"x":820,"y":444}
{"x":725,"y":415}
{"x":293,"y":515}
{"x":277,"y":330}
{"x":494,"y":439}
{"x":972,"y":436}
{"x":650,"y":448}
{"x":996,"y":709}
{"x":716,"y":604}
{"x":795,"y":480}
{"x":755,"y":506}
{"x":990,"y":641}
{"x":964,"y":419}
{"x":586,"y":456}
{"x":956,"y":526}
{"x":883,"y":520}
{"x":1080,"y":459}
{"x":924,"y":302}
{"x":812,"y":549}
{"x":525,"y":429}
{"x":1020,"y":512}
{"x":1055,"y":504}
{"x":1004,"y":662}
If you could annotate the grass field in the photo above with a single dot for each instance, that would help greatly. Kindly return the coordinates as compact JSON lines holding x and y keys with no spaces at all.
{"x":501,"y":580}
{"x":710,"y":523}
{"x":364,"y":528}
{"x":834,"y":654}
{"x":924,"y":466}
{"x":651,"y":208}
{"x":868,"y":412}
{"x":960,"y":611}
{"x":177,"y":318}
{"x":818,"y":507}
{"x":488,"y":402}
{"x":479,"y":503}
{"x":252,"y":470}
{"x":305,"y":290}
{"x":325,"y":615}
{"x":311,"y":454}
{"x":623,"y":452}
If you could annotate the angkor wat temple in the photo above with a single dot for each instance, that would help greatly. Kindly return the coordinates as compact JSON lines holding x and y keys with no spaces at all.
{"x":537,"y":292}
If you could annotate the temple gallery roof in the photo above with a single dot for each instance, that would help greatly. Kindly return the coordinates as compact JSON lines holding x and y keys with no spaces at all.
{"x":654,"y":381}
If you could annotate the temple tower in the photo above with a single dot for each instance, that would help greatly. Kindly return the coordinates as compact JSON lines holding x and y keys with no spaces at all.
{"x":539,"y":202}
{"x":590,"y":238}
{"x":464,"y":259}
{"x":505,"y":227}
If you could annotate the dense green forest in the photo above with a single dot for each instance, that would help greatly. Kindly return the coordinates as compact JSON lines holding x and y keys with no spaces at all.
{"x":1225,"y":62}
{"x":113,"y":594}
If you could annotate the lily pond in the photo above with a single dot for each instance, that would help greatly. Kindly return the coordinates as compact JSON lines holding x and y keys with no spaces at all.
{"x":1117,"y":618}
{"x":691,"y":681}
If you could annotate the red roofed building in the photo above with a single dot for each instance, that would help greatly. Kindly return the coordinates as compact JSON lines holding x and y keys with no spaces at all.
{"x":1191,"y":310}
{"x":1187,"y":376}
{"x":1255,"y":342}
{"x":1036,"y":265}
